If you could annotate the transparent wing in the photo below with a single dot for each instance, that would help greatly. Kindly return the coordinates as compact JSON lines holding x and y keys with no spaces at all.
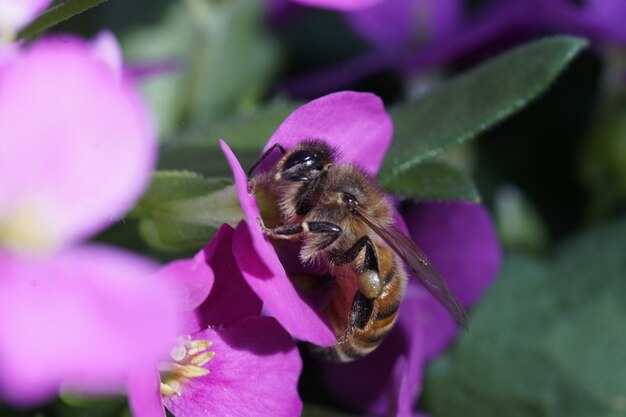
{"x":416,"y":260}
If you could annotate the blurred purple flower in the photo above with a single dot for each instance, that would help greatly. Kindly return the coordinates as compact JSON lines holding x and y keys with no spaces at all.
{"x":76,"y":151}
{"x":16,"y":14}
{"x":233,"y":361}
{"x":458,"y":237}
{"x":412,"y":36}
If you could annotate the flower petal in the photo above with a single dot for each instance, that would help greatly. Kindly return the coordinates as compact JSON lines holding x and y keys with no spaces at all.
{"x":261,"y":268}
{"x":84,"y":318}
{"x":355,"y":123}
{"x":390,"y":24}
{"x":231,"y":298}
{"x":192,"y":279}
{"x":341,"y":5}
{"x":460,"y":241}
{"x":280,"y":297}
{"x":144,"y":394}
{"x":106,"y":48}
{"x":254,"y":372}
{"x":100,"y":150}
{"x":396,"y":24}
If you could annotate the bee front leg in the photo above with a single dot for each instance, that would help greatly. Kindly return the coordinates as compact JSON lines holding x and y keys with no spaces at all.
{"x":368,"y":277}
{"x":297,"y":231}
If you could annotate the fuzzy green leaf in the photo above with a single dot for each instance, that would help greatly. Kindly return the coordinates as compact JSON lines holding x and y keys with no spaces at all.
{"x":433,"y":181}
{"x":182,"y":210}
{"x":472,"y":103}
{"x":547,"y":340}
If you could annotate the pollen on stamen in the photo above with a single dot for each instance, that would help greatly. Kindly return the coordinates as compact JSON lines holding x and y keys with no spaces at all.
{"x":189,"y":357}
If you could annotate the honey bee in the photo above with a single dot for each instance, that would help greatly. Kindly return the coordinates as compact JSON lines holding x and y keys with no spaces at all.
{"x":344,"y":221}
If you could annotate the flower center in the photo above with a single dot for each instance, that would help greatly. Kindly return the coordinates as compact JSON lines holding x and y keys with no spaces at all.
{"x":189,"y":358}
{"x":24,"y":230}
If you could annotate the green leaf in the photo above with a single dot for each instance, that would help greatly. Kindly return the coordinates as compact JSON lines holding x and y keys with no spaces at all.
{"x":547,"y":340}
{"x":472,"y":103}
{"x":433,"y":181}
{"x":57,"y":14}
{"x":226,"y":54}
{"x":181,"y":210}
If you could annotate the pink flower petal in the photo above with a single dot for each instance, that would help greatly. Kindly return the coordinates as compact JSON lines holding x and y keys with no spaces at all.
{"x":15,"y":14}
{"x":106,"y":48}
{"x":192,"y":280}
{"x":84,"y":137}
{"x":341,"y":5}
{"x":144,"y":394}
{"x":254,"y":372}
{"x":263,"y":271}
{"x":231,"y":298}
{"x":355,"y":123}
{"x":84,"y":319}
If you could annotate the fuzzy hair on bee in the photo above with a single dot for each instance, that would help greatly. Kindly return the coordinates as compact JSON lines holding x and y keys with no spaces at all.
{"x":344,"y":221}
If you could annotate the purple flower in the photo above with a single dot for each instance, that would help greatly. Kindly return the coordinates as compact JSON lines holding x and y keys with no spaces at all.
{"x":412,"y":36}
{"x":341,"y":5}
{"x":232,"y":361}
{"x":458,"y":237}
{"x":76,"y":151}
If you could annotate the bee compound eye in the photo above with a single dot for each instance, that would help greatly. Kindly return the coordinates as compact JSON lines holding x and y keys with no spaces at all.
{"x":350,"y":200}
{"x":301,"y":159}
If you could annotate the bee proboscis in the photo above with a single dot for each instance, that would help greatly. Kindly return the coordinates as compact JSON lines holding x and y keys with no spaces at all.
{"x":345,"y":222}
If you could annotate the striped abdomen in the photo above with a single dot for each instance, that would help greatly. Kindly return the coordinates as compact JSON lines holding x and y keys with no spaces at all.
{"x":360,"y":329}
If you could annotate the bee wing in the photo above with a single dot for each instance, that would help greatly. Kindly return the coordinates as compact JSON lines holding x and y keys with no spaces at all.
{"x":416,"y":260}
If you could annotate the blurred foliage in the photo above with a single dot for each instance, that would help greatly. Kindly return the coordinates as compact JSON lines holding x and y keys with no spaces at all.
{"x":546,"y":340}
{"x":225,"y":58}
{"x":182,"y":210}
{"x":518,"y":222}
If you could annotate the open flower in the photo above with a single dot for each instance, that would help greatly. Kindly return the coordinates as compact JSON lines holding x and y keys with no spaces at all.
{"x":231,"y":362}
{"x":76,"y":151}
{"x":458,"y":237}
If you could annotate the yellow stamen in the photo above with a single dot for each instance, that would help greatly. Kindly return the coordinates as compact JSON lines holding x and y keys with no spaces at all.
{"x":169,"y":390}
{"x":203,"y":358}
{"x":189,"y":357}
{"x":197,"y":346}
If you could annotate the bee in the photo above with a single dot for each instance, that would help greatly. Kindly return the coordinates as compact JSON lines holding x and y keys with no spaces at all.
{"x":344,"y":222}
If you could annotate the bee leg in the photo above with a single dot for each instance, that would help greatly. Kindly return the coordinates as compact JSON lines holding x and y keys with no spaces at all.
{"x":296,"y":231}
{"x":361,"y":313}
{"x":368,"y":279}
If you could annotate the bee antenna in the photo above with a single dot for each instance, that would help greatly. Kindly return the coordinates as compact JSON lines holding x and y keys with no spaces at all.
{"x":263,"y":157}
